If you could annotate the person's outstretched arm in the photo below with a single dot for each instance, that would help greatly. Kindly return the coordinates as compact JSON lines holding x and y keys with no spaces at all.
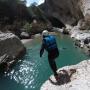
{"x":42,"y":49}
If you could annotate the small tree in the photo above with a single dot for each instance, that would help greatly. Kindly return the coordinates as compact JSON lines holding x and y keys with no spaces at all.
{"x":27,"y":27}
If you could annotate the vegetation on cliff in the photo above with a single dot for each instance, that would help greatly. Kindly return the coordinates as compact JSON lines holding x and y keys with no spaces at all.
{"x":15,"y":15}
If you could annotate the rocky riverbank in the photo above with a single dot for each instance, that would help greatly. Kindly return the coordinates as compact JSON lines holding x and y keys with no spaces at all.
{"x":80,"y":77}
{"x":11,"y":48}
{"x":81,"y":38}
{"x":79,"y":80}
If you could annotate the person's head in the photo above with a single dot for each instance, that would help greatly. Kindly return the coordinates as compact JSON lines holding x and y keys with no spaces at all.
{"x":45,"y":33}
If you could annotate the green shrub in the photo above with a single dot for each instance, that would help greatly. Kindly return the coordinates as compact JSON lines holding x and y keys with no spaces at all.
{"x":27,"y":27}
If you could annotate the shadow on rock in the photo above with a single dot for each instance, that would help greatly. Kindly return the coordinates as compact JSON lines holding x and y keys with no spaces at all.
{"x":64,"y":77}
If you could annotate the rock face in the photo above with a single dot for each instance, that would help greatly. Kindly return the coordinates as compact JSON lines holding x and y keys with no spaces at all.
{"x":80,"y":80}
{"x":10,"y":46}
{"x":85,"y":8}
{"x":68,"y":11}
{"x":81,"y":39}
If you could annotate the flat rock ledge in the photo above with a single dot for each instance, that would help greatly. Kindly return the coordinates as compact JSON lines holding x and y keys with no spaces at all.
{"x":80,"y":79}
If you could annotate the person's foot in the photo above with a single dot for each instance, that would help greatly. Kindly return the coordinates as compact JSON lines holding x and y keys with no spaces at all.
{"x":57,"y":78}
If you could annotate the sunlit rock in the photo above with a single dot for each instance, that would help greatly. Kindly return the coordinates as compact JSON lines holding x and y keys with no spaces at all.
{"x":80,"y":80}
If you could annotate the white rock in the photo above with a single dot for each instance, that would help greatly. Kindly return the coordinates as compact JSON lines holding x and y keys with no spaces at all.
{"x":79,"y":80}
{"x":24,"y":34}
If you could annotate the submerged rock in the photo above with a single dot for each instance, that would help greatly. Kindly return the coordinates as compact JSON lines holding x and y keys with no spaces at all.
{"x":80,"y":79}
{"x":11,"y":47}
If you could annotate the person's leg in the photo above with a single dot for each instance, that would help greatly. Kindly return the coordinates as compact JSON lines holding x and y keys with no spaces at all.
{"x":53,"y":66}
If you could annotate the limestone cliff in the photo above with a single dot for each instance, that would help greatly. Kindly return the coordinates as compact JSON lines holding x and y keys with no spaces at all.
{"x":85,"y":8}
{"x":68,"y":11}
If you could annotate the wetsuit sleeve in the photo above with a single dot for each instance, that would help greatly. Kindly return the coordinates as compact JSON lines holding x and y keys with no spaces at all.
{"x":42,"y":49}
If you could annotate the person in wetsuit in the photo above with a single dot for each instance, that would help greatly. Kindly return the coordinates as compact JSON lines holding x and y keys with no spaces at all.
{"x":50,"y":45}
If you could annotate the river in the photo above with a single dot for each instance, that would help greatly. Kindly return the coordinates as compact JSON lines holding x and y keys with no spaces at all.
{"x":32,"y":71}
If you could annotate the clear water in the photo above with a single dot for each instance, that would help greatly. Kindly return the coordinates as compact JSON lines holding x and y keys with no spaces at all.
{"x":33,"y":71}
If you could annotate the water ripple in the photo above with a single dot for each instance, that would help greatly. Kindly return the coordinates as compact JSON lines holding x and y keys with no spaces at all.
{"x":25,"y":74}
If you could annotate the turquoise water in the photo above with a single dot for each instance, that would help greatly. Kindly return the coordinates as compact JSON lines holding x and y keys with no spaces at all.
{"x":31,"y":72}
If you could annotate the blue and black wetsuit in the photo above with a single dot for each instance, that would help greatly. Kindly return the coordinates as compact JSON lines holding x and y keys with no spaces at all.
{"x":49,"y":44}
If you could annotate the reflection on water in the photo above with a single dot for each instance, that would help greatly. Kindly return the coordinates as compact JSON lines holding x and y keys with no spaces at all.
{"x":25,"y":75}
{"x":26,"y":72}
{"x":31,"y":72}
